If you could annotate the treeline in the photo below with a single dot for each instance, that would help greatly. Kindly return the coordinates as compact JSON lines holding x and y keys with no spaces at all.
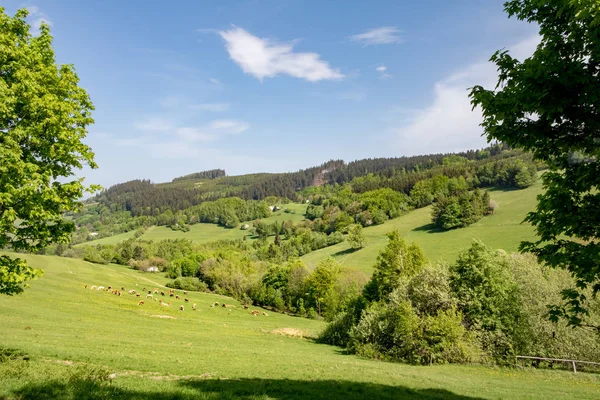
{"x":210,"y":174}
{"x":388,"y":167}
{"x":486,"y":307}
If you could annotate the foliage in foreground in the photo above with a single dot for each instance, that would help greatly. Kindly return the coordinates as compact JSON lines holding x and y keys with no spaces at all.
{"x":548,"y":104}
{"x":487,"y":305}
{"x":43,"y":118}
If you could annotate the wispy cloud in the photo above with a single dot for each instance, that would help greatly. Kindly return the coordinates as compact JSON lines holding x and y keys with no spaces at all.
{"x":382,"y":35}
{"x":154,"y":124}
{"x":215,"y":107}
{"x":214,"y":81}
{"x":449,"y":123}
{"x":382,"y":74}
{"x":262,"y":58}
{"x":36,"y":18}
{"x":229,"y":126}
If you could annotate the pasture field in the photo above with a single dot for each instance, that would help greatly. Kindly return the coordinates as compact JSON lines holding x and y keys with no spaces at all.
{"x":205,"y":233}
{"x":502,"y":230}
{"x":159,"y":352}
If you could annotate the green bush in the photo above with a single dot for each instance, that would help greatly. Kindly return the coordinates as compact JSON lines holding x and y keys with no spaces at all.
{"x":188,"y":283}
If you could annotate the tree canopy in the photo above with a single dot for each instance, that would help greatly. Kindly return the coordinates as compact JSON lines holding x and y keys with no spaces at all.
{"x":43,"y":119}
{"x":548,"y":104}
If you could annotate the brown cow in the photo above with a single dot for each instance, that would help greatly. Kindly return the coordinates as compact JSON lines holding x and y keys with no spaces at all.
{"x":177,"y":297}
{"x":122,"y":287}
{"x":185,"y":292}
{"x":137,"y":295}
{"x":181,"y":308}
{"x":186,"y":300}
{"x":85,"y":286}
{"x":255,"y":312}
{"x":194,"y":307}
{"x":265,"y":314}
{"x":171,"y":295}
{"x":246,"y":306}
{"x":141,"y":302}
{"x":162,"y":293}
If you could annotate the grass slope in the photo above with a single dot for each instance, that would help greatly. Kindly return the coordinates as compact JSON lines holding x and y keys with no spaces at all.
{"x":503,"y":230}
{"x":163,"y":353}
{"x":205,"y":233}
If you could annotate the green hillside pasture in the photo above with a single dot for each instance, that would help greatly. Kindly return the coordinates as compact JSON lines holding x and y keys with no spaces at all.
{"x":503,"y":230}
{"x":109,"y":239}
{"x":205,"y":233}
{"x":163,"y":353}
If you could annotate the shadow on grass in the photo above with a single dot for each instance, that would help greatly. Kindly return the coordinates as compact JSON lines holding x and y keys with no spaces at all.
{"x":344,"y":252}
{"x":429,"y":228}
{"x":233,"y":389}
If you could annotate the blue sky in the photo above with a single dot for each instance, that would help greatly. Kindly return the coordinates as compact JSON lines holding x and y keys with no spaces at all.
{"x":274,"y":86}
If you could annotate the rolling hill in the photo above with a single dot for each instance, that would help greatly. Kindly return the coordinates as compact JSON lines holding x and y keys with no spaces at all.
{"x":72,"y":334}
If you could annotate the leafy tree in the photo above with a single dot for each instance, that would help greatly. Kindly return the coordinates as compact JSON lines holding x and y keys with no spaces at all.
{"x":321,"y":282}
{"x":548,"y":104}
{"x":396,"y":263}
{"x":356,"y":237}
{"x":43,"y":118}
{"x":481,"y":281}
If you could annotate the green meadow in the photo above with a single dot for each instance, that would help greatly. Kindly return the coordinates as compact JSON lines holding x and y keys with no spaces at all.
{"x":502,"y":230}
{"x":205,"y":233}
{"x":158,"y":352}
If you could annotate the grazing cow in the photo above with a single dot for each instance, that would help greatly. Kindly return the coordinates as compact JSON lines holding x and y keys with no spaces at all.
{"x":92,"y":287}
{"x":181,"y":308}
{"x":122,"y":287}
{"x":246,"y":306}
{"x":186,"y":300}
{"x":109,"y":288}
{"x":85,"y":286}
{"x":141,"y":302}
{"x":185,"y":292}
{"x":131,"y":291}
{"x":100,"y":288}
{"x":177,"y":297}
{"x":155,"y":291}
{"x":171,"y":295}
{"x":149,"y":291}
{"x":149,"y":296}
{"x":137,"y":295}
{"x":162,"y":293}
{"x":144,"y":289}
{"x":265,"y":314}
{"x":194,"y":306}
{"x":216,"y":303}
{"x":255,"y":312}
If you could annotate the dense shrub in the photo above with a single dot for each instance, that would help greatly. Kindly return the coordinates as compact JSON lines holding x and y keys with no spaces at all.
{"x":188,"y":283}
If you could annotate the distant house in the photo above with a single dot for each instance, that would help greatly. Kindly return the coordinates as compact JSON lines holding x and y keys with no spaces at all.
{"x":245,"y":227}
{"x":152,"y":269}
{"x":93,"y":233}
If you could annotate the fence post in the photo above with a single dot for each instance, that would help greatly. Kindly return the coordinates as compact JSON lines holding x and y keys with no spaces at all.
{"x":574,"y":369}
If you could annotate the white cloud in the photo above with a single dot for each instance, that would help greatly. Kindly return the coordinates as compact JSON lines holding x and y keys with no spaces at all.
{"x":154,"y":124}
{"x":216,"y":107}
{"x":36,"y":18}
{"x":383,"y":35}
{"x":382,"y":74}
{"x":214,"y":81}
{"x":229,"y":126}
{"x":449,"y":123}
{"x":262,"y":58}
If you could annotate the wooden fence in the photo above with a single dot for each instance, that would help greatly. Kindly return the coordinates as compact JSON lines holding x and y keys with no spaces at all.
{"x":572,"y":362}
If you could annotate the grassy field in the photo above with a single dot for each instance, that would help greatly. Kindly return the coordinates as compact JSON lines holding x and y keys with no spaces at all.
{"x":503,"y":230}
{"x":160,"y":352}
{"x":204,"y":233}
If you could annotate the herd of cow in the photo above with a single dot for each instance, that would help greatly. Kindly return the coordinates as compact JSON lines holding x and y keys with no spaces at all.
{"x":171,"y":293}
